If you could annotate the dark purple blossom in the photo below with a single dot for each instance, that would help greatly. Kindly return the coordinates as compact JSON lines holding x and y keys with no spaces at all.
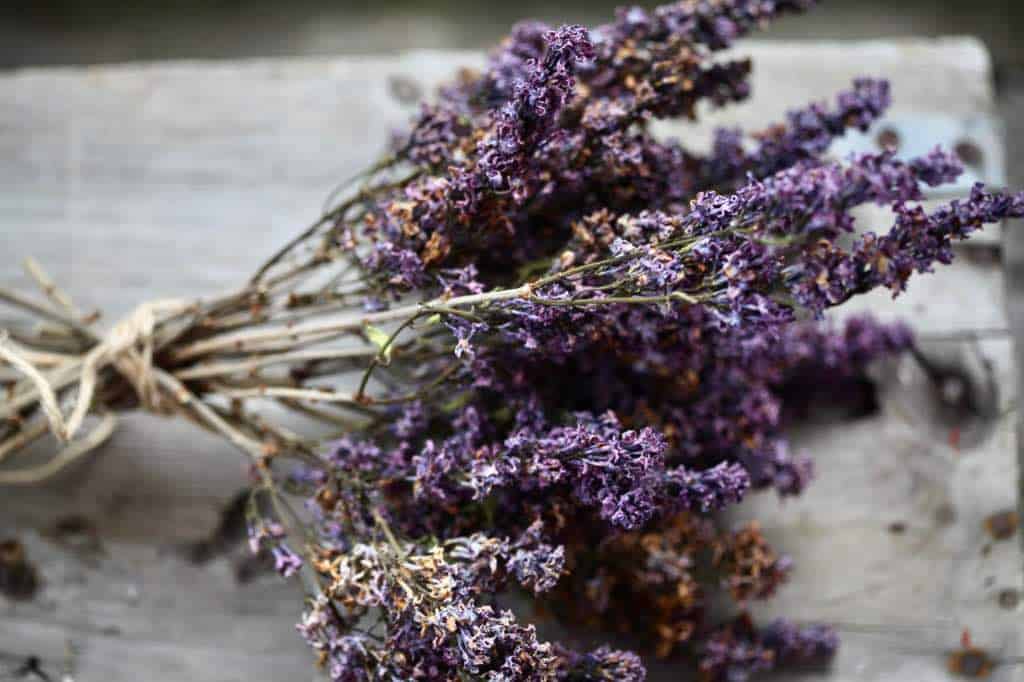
{"x":917,"y":240}
{"x":800,"y":644}
{"x":727,"y":658}
{"x":348,"y":657}
{"x":524,"y":46}
{"x":708,"y":490}
{"x":435,"y":135}
{"x":411,"y":422}
{"x":810,"y":131}
{"x":286,"y":562}
{"x":538,"y":567}
{"x":603,"y":663}
{"x":617,"y":471}
{"x":529,"y":117}
{"x":738,"y":651}
{"x":806,"y":134}
{"x":404,"y":268}
{"x":775,"y":466}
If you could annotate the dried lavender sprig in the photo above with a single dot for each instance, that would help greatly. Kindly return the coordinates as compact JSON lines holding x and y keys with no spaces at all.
{"x":916,"y":241}
{"x":527,"y":119}
{"x":738,"y":651}
{"x":807,"y":133}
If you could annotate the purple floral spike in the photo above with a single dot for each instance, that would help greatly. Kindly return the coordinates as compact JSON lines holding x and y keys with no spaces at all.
{"x":286,"y":562}
{"x":527,"y":119}
{"x":806,"y":133}
{"x":795,"y":644}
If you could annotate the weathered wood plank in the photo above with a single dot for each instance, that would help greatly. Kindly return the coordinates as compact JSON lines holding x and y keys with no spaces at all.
{"x":135,"y":182}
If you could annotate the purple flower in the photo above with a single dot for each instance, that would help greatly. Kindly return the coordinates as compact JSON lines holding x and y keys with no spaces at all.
{"x":725,"y":658}
{"x":286,"y":562}
{"x":603,"y":663}
{"x":616,"y":471}
{"x":809,"y":131}
{"x":411,"y":422}
{"x":435,"y":135}
{"x":262,"y":533}
{"x":403,"y":267}
{"x":527,"y":119}
{"x":737,"y":651}
{"x":524,"y":47}
{"x":796,"y":644}
{"x":708,"y":490}
{"x":538,"y":568}
{"x":917,"y":240}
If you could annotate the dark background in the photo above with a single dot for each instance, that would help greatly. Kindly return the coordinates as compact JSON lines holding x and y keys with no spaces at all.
{"x":51,"y":32}
{"x":92,"y":31}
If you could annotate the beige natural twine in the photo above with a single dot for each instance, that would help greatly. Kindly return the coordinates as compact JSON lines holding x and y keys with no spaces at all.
{"x":128,"y":347}
{"x":47,"y":396}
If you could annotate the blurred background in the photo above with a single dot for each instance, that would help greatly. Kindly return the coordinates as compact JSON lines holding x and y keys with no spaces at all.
{"x":94,"y":31}
{"x":61,"y":32}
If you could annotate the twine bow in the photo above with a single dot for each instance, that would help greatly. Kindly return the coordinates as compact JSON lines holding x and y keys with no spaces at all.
{"x":52,"y":375}
{"x":128,"y":347}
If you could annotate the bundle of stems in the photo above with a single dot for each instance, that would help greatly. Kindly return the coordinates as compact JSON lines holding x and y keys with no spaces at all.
{"x":295,"y":336}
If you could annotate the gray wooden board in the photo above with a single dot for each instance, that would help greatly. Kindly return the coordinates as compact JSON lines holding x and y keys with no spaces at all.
{"x":143,"y":181}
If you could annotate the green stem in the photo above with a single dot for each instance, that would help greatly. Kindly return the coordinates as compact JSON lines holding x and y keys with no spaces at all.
{"x":382,"y":356}
{"x":665,"y":298}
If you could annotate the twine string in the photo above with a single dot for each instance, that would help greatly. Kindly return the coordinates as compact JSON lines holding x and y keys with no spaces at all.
{"x":128,"y":348}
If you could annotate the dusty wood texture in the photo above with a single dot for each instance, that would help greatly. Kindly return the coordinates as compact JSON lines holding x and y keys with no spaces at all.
{"x":136,"y":182}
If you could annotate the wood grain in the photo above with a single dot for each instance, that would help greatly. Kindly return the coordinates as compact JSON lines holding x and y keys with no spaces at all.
{"x":144,"y":181}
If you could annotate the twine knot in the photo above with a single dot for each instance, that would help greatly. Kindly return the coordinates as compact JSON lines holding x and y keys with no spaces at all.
{"x":128,"y":347}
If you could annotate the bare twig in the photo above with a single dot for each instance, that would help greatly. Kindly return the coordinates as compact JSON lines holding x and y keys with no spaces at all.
{"x":314,"y":395}
{"x":50,"y":289}
{"x":46,"y":312}
{"x":249,"y":365}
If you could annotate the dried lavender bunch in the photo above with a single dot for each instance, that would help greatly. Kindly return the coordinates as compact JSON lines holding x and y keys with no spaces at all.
{"x":555,"y":344}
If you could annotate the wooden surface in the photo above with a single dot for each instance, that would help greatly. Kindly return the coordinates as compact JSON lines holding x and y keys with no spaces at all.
{"x":143,"y":181}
